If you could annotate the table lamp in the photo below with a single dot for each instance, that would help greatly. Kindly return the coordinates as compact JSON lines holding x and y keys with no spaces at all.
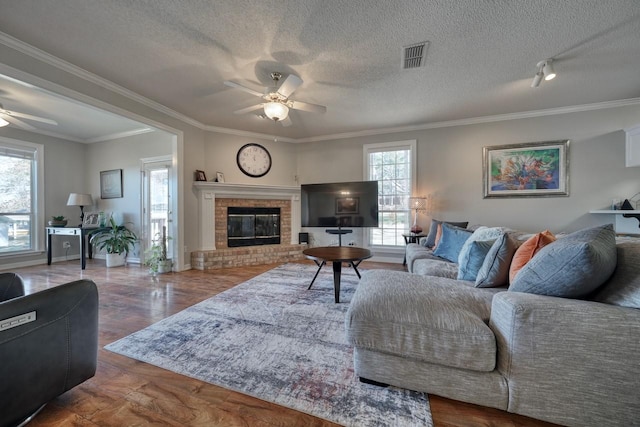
{"x":417,"y":204}
{"x":82,"y":200}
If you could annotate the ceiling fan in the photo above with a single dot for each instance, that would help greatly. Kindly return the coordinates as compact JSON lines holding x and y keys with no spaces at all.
{"x":11,"y":117}
{"x":277,"y":103}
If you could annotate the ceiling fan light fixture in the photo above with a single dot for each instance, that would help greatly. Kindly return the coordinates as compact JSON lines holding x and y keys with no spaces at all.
{"x":3,"y":122}
{"x":276,"y":111}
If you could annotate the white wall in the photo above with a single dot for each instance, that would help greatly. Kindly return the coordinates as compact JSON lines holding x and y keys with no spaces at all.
{"x":450,"y":167}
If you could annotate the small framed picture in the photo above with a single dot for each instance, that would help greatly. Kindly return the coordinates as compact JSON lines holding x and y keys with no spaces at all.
{"x":91,"y":220}
{"x":219,"y":177}
{"x":111,"y":184}
{"x":200,"y":175}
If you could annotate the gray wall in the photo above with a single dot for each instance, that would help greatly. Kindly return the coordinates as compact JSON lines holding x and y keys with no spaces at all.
{"x":450,"y":168}
{"x":449,"y":160}
{"x":125,"y":154}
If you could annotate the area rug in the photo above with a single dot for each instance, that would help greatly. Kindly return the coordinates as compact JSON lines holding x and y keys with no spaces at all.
{"x":273,"y":339}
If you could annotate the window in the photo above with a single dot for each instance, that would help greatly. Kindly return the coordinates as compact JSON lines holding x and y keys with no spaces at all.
{"x":393,"y":166}
{"x":21,"y":217}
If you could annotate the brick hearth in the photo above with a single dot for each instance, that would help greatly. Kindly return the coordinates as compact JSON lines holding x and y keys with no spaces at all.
{"x":215,"y":198}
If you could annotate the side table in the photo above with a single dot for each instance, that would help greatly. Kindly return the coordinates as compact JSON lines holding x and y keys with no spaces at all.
{"x":411,"y":238}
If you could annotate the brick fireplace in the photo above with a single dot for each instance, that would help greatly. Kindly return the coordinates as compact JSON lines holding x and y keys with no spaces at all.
{"x":214,"y":199}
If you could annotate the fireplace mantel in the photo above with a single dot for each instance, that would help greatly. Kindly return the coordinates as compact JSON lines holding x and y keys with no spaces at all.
{"x":207,"y":192}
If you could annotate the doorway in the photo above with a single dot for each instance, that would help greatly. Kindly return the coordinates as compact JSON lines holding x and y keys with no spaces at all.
{"x":156,"y":202}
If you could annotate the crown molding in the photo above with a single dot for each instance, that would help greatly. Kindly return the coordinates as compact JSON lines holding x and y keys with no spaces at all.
{"x":70,"y":68}
{"x":479,"y":120}
{"x":47,"y":58}
{"x":119,"y":135}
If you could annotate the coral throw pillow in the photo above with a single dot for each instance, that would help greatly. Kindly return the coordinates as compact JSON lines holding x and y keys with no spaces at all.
{"x":527,"y":250}
{"x":438,"y":236}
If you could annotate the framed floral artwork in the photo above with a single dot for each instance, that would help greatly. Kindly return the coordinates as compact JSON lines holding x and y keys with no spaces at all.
{"x":536,"y":169}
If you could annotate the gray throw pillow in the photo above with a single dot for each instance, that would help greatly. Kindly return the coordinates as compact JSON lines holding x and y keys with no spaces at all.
{"x":430,"y":240}
{"x":623,"y":288}
{"x":495,"y":269}
{"x":571,"y":267}
{"x":469,"y":267}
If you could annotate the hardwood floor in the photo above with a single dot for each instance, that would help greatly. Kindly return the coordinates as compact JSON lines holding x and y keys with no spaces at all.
{"x":126,"y":392}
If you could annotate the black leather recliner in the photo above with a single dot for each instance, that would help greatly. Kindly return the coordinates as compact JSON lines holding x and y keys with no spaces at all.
{"x":48,"y":344}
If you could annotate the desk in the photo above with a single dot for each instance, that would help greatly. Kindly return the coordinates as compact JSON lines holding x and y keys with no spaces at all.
{"x":337,"y":255}
{"x":411,"y":238}
{"x":79,"y":232}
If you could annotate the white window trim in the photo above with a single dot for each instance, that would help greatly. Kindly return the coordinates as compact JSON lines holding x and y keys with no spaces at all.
{"x":38,"y":194}
{"x":411,"y":145}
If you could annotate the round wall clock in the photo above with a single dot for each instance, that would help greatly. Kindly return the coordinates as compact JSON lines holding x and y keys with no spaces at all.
{"x":254,"y":160}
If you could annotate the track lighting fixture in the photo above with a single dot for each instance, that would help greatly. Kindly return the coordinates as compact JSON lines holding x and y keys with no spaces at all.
{"x":544,"y":69}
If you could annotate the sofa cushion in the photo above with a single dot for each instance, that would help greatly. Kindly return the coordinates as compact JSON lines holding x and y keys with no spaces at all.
{"x":469,"y":266}
{"x":431,"y":319}
{"x":451,"y":242}
{"x":527,"y":250}
{"x":435,"y":267}
{"x":430,"y":240}
{"x":571,"y":267}
{"x":623,"y":288}
{"x":495,"y":268}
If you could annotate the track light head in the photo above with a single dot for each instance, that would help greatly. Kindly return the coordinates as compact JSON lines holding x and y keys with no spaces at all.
{"x":537,"y":79}
{"x":548,"y":71}
{"x":544,"y":69}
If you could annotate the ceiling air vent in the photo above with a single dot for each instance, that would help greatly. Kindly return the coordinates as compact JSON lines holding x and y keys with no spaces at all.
{"x":413,"y":56}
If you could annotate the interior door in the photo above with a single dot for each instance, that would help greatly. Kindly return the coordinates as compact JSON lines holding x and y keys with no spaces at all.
{"x":156,"y":202}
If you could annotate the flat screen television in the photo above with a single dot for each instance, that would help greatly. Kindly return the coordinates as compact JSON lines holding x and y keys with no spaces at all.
{"x":340,"y":204}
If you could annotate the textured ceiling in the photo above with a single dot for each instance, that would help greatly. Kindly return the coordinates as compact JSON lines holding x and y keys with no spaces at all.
{"x":480,"y":61}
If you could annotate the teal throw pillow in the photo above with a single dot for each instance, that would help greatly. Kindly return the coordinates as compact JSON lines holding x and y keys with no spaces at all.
{"x":495,"y":268}
{"x":451,"y":242}
{"x":572,"y":266}
{"x":469,"y":266}
{"x":481,"y":233}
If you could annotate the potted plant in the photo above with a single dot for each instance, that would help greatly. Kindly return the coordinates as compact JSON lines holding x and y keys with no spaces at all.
{"x":58,"y":221}
{"x":156,"y":255}
{"x":116,"y":240}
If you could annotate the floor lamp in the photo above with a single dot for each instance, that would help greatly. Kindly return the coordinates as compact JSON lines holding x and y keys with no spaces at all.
{"x":417,"y":204}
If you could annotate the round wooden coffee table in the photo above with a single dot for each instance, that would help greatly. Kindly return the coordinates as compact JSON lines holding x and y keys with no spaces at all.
{"x":337,"y":255}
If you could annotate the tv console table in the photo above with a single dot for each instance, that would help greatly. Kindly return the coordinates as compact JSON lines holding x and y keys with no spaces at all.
{"x":339,"y":231}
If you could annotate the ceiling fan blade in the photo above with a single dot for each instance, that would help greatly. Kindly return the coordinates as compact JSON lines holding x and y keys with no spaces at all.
{"x":286,"y":122}
{"x":244,"y":88}
{"x":248,"y":109}
{"x":289,"y":85}
{"x":311,"y":108}
{"x":19,"y":123}
{"x":30,"y":117}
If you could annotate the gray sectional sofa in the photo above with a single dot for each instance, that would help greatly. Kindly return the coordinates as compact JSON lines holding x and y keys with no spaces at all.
{"x":572,"y":360}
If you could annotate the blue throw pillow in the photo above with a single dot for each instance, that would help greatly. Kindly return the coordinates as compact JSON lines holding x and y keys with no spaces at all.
{"x":472,"y":262}
{"x":572,"y":266}
{"x":430,"y":240}
{"x":451,"y":242}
